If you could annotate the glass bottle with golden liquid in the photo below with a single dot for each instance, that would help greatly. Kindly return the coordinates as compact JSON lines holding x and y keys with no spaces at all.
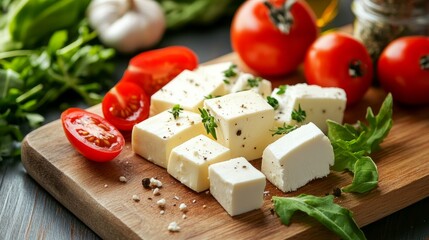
{"x":325,"y":10}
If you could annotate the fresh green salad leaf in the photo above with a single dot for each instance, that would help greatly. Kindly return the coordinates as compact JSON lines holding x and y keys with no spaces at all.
{"x":31,"y":79}
{"x":353,"y":143}
{"x":334,"y":217}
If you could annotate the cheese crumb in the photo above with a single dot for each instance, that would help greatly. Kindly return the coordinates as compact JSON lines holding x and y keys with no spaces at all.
{"x":176,"y":197}
{"x":155,"y":183}
{"x":123,"y":179}
{"x":156,"y":192}
{"x":204,"y":206}
{"x":184,"y":216}
{"x":161,"y":203}
{"x":173,"y":227}
{"x":105,"y":185}
{"x":183,"y":207}
{"x":136,"y":198}
{"x":162,"y":212}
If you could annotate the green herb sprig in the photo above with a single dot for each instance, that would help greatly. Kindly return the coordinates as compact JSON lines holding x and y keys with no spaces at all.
{"x":254,"y":82}
{"x":176,"y":110}
{"x":285,"y":129}
{"x":273,"y":102}
{"x":282,"y":90}
{"x":299,"y":115}
{"x":208,"y":122}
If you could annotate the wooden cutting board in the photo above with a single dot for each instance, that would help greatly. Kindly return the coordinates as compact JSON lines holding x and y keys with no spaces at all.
{"x":93,"y":192}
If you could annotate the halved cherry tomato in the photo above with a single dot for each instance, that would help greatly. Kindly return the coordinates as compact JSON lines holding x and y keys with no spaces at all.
{"x":339,"y":60}
{"x":125,"y":105}
{"x":91,"y":135}
{"x":152,"y":69}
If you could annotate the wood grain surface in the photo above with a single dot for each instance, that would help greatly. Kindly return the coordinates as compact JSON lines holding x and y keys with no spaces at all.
{"x":93,"y":192}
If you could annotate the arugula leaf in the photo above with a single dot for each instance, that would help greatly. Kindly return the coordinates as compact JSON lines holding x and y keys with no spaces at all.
{"x":352,"y":144}
{"x":334,"y":217}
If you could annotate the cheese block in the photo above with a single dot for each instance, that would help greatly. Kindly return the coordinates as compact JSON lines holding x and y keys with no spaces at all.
{"x":246,"y":81}
{"x":319,"y":104}
{"x":297,"y":158}
{"x":244,"y":121}
{"x":237,"y":185}
{"x":155,"y":137}
{"x":188,"y":89}
{"x":227,"y":72}
{"x":189,"y":161}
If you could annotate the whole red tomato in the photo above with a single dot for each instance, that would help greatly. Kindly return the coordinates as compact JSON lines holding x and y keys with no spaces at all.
{"x":151,"y":70}
{"x":125,"y":105}
{"x":91,"y":135}
{"x":403,"y":69}
{"x":272,"y":37}
{"x":339,"y":60}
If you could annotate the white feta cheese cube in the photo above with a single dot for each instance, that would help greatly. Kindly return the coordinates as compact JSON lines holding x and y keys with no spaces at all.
{"x":237,"y":185}
{"x":297,"y":158}
{"x":227,"y":72}
{"x":244,"y":121}
{"x":188,"y":89}
{"x":189,"y":161}
{"x":319,"y":104}
{"x":155,"y":137}
{"x":247,"y":81}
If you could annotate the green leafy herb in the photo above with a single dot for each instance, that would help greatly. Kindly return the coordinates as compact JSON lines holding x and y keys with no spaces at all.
{"x":176,"y":110}
{"x":285,"y":129}
{"x":298,"y":115}
{"x":282,"y":90}
{"x":353,"y":143}
{"x":254,"y":82}
{"x":231,"y":71}
{"x":32,"y":79}
{"x":226,"y":81}
{"x":273,"y":102}
{"x":209,"y":122}
{"x":334,"y":217}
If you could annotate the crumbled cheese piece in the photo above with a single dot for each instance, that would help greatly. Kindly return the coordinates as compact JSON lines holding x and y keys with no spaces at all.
{"x":162,"y":212}
{"x":184,"y":216}
{"x":173,"y":227}
{"x":176,"y":197}
{"x":156,"y":192}
{"x":194,"y":201}
{"x":155,"y":183}
{"x":105,"y":185}
{"x":123,"y":179}
{"x":161,"y":202}
{"x":183,"y":207}
{"x":204,"y":206}
{"x":136,"y":198}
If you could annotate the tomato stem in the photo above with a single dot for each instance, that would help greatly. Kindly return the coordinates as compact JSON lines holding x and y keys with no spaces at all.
{"x":424,"y":62}
{"x":281,"y":17}
{"x":355,"y":69}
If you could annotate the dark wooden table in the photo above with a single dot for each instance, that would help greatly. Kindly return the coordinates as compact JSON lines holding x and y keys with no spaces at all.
{"x":27,"y":211}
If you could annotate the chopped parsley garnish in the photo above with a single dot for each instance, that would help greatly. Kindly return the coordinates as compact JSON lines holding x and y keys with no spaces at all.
{"x":273,"y":102}
{"x":176,"y":110}
{"x":209,"y":122}
{"x":254,"y":82}
{"x":226,"y":81}
{"x":299,"y":115}
{"x":282,"y":90}
{"x":231,"y":71}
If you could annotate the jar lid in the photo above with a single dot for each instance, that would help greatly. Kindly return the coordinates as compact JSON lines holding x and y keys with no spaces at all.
{"x":371,"y":11}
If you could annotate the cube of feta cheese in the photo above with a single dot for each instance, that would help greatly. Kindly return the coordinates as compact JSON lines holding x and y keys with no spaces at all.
{"x":247,"y":81}
{"x":189,"y":161}
{"x":188,"y":89}
{"x":297,"y":158}
{"x":244,"y":121}
{"x":227,"y":72}
{"x":237,"y":185}
{"x":319,"y":104}
{"x":155,"y":137}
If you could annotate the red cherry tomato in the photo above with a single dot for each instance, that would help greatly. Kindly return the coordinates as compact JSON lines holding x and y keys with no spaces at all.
{"x":125,"y":105}
{"x":339,"y":60}
{"x":152,"y":69}
{"x":403,"y":69}
{"x":91,"y":135}
{"x":262,"y":45}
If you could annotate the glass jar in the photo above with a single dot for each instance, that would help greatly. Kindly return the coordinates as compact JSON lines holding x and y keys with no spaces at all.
{"x":378,"y":22}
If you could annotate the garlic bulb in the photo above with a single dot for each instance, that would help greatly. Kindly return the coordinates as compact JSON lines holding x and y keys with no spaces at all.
{"x":128,"y":25}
